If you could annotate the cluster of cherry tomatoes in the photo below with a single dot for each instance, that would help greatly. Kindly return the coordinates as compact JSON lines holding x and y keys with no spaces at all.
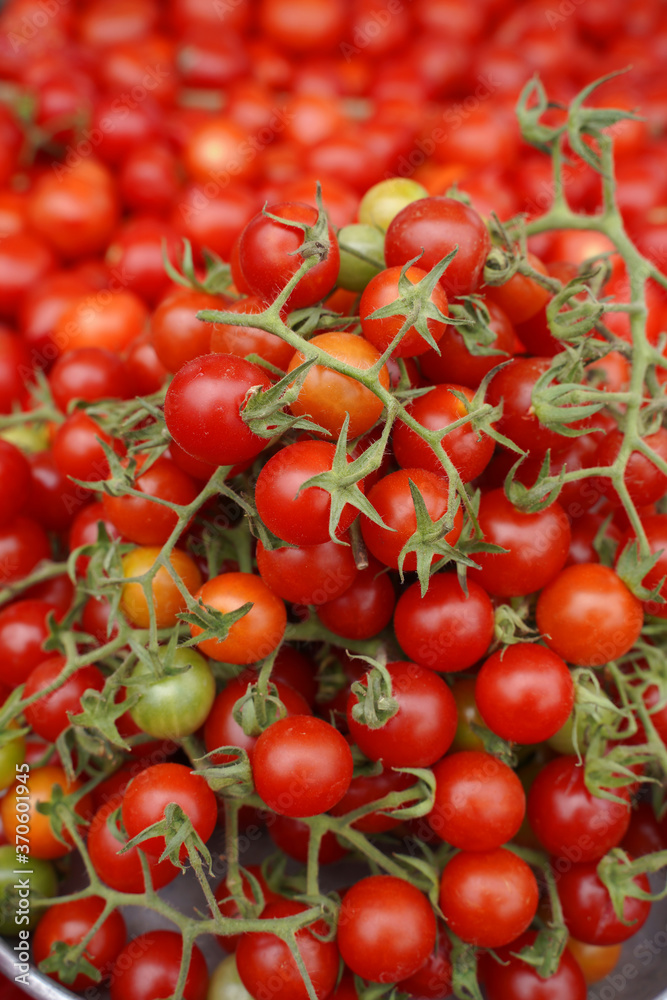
{"x":333,"y":496}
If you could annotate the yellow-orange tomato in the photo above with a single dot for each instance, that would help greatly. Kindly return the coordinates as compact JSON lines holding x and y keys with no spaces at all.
{"x":596,"y":961}
{"x":15,"y":818}
{"x":328,"y":395}
{"x":255,"y":635}
{"x":111,"y":320}
{"x":167,"y":598}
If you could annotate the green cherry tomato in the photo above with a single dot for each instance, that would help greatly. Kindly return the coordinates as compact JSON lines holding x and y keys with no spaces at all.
{"x":12,"y":754}
{"x":176,"y":704}
{"x":382,"y":203}
{"x":19,"y":892}
{"x":361,"y":256}
{"x":226,"y":983}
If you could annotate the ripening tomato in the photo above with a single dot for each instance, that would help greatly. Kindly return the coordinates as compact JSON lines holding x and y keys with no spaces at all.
{"x":174,"y":704}
{"x":43,"y":841}
{"x":168,"y":601}
{"x":251,"y":637}
{"x":327,"y":396}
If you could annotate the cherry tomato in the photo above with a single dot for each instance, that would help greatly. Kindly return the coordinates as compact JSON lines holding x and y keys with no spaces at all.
{"x":146,"y":521}
{"x":422,"y":729}
{"x":386,"y":929}
{"x":301,"y":766}
{"x":488,"y":898}
{"x":168,"y":602}
{"x":392,"y":499}
{"x":43,"y":841}
{"x":148,"y":967}
{"x":123,"y":872}
{"x":175,"y":704}
{"x":150,"y":792}
{"x":383,"y":290}
{"x":203,"y":404}
{"x":262,"y":958}
{"x":511,"y":977}
{"x":253,"y":636}
{"x":524,"y":693}
{"x":445,"y":629}
{"x":588,"y":616}
{"x":588,"y":910}
{"x":49,"y":714}
{"x":479,"y":801}
{"x":569,"y":821}
{"x":364,"y":608}
{"x":70,"y":922}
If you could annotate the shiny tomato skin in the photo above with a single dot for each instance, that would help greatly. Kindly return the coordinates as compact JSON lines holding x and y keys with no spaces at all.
{"x":43,"y":841}
{"x":48,"y":715}
{"x":155,"y":972}
{"x":364,"y":608}
{"x":257,"y":633}
{"x":512,"y":386}
{"x":470,"y":451}
{"x":327,"y":396}
{"x":70,"y":922}
{"x":263,"y":958}
{"x":588,"y":910}
{"x":268,"y":261}
{"x":221,"y":728}
{"x":479,"y":801}
{"x":90,"y":373}
{"x":202,"y":408}
{"x":178,"y":336}
{"x":423,"y":728}
{"x":445,"y":629}
{"x":457,"y":365}
{"x":302,"y":766}
{"x":386,"y":929}
{"x":392,"y":499}
{"x":307,"y":574}
{"x":149,"y":793}
{"x":511,"y":977}
{"x":537,"y":544}
{"x":297,"y":515}
{"x":588,"y":616}
{"x":226,"y":338}
{"x":437,"y":225}
{"x":569,"y":821}
{"x":488,"y":898}
{"x":524,"y":693}
{"x":167,"y":598}
{"x":143,"y":520}
{"x":383,"y":290}
{"x":122,"y":872}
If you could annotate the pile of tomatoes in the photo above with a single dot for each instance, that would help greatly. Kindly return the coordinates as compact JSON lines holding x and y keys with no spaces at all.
{"x":333,"y":512}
